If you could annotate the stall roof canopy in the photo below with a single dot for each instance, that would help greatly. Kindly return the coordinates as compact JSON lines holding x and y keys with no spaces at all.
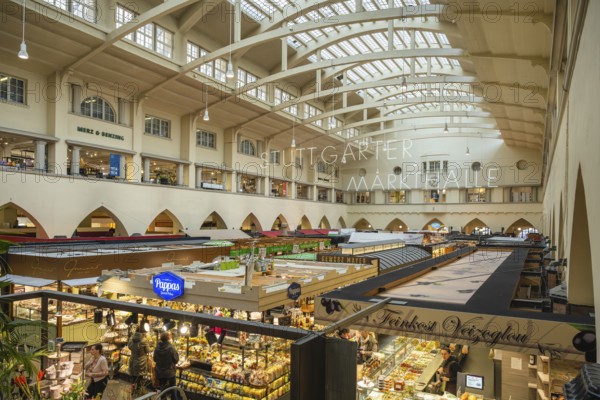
{"x":218,"y":234}
{"x":81,"y":282}
{"x":27,"y":281}
{"x":231,"y":288}
{"x":388,"y":259}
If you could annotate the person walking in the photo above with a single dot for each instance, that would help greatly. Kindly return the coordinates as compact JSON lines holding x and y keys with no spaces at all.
{"x":166,"y":358}
{"x":138,"y":360}
{"x":96,"y":369}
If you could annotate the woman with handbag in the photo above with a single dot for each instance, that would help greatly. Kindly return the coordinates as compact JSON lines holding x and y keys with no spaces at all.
{"x":96,"y":369}
{"x":166,"y":358}
{"x":138,"y":360}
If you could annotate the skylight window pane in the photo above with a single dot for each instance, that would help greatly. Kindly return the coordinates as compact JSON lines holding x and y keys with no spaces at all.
{"x":419,"y":39}
{"x":336,"y":51}
{"x":371,"y":43}
{"x":316,"y":33}
{"x":398,"y":44}
{"x":293,"y":42}
{"x":313,"y":16}
{"x":352,"y":76}
{"x":359,"y":45}
{"x":443,"y":39}
{"x":266,"y":7}
{"x":304,"y":38}
{"x":312,"y":58}
{"x":347,"y":48}
{"x":381,"y":4}
{"x":381,"y":39}
{"x":326,"y":55}
{"x":328,"y":30}
{"x":381,"y":67}
{"x":430,"y":38}
{"x":405,"y":37}
{"x":369,"y":6}
{"x":252,"y":11}
{"x":443,"y":60}
{"x":422,"y":60}
{"x":455,"y":62}
{"x":370,"y":69}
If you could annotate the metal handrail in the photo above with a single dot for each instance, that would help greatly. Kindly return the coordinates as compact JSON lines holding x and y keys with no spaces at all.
{"x":157,"y":396}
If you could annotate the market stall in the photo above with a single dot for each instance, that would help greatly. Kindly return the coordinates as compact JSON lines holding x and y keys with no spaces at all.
{"x":465,"y":298}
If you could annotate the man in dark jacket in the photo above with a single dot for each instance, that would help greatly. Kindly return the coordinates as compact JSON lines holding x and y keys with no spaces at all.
{"x":138,"y":360}
{"x":166,"y":358}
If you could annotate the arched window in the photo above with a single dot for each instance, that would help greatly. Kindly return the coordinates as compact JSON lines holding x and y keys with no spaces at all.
{"x":247,"y":147}
{"x":97,"y":107}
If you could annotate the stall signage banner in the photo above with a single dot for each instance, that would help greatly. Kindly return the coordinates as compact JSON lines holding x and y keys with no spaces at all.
{"x":533,"y":336}
{"x":436,"y":225}
{"x":294,"y":291}
{"x":115,"y":165}
{"x":167,"y":285}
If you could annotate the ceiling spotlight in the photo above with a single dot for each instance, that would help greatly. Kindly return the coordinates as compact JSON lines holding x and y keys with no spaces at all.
{"x":446,"y":128}
{"x":98,"y":316}
{"x":110,"y":318}
{"x":467,"y":153}
{"x":206,"y":117}
{"x":184,"y":329}
{"x":168,"y":325}
{"x":132,"y":319}
{"x":145,"y":324}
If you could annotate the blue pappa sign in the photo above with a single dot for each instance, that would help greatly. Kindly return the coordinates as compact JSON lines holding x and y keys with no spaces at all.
{"x":294,"y":291}
{"x":167,"y":285}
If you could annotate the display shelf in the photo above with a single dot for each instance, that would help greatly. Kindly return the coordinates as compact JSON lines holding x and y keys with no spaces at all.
{"x":207,"y":384}
{"x":544,"y":378}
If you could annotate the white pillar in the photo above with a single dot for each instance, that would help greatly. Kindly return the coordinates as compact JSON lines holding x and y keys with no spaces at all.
{"x":198,"y":176}
{"x":293,"y":194}
{"x":40,"y":155}
{"x":179,"y":174}
{"x":75,"y":160}
{"x":146,"y":170}
{"x":333,"y":195}
{"x":267,"y":191}
{"x":123,"y":167}
{"x":235,"y":184}
{"x":224,"y":179}
{"x":315,"y":193}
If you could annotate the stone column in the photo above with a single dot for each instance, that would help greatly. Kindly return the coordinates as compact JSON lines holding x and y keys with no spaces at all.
{"x":40,"y":155}
{"x":75,"y":160}
{"x":146,"y":170}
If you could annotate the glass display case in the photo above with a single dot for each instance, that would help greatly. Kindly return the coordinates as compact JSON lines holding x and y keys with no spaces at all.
{"x":400,"y":371}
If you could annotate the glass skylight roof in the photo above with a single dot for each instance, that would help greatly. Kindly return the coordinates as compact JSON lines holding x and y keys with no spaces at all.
{"x":369,"y":41}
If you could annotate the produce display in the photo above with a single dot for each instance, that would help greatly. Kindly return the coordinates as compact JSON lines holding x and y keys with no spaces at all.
{"x":261,"y":373}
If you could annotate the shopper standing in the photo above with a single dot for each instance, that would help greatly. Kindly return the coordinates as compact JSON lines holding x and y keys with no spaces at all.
{"x":166,"y":358}
{"x":97,"y":370}
{"x":367,"y":345}
{"x":448,"y":371}
{"x":138,"y":360}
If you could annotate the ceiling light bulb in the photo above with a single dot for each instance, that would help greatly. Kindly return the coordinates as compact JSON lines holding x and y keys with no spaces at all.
{"x":293,"y":143}
{"x":468,"y":153}
{"x":446,"y":128}
{"x":377,"y":171}
{"x":23,"y":52}
{"x":229,"y":72}
{"x":206,"y":117}
{"x":343,"y":159}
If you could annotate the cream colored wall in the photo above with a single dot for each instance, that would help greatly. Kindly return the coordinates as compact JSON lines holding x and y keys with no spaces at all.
{"x":497,"y":159}
{"x":98,"y":127}
{"x":18,"y":116}
{"x":577,"y":144}
{"x":68,"y":200}
{"x":455,"y":215}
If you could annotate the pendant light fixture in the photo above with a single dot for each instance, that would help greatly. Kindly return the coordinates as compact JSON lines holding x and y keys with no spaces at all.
{"x":23,"y":51}
{"x":446,"y":128}
{"x":293,"y":145}
{"x":230,"y":74}
{"x":467,"y":153}
{"x":332,"y":123}
{"x":206,"y":117}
